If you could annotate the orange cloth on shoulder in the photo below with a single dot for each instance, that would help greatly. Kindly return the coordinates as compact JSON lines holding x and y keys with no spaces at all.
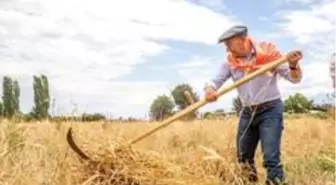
{"x":266,"y":52}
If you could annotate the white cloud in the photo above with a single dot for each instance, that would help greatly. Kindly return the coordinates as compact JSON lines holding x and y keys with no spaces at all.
{"x":313,"y":29}
{"x":315,"y":80}
{"x":298,"y":1}
{"x":216,"y":5}
{"x":86,"y":46}
{"x":311,"y":24}
{"x":294,"y":2}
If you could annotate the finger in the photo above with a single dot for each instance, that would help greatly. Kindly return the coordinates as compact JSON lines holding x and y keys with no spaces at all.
{"x":213,"y":96}
{"x":299,"y":53}
{"x":298,"y":56}
{"x":210,"y":96}
{"x":295,"y":56}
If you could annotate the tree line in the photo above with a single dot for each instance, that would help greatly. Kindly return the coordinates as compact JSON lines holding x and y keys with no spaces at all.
{"x":10,"y":102}
{"x":163,"y":106}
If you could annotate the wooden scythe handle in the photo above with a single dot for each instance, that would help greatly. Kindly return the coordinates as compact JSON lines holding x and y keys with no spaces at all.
{"x":203,"y":101}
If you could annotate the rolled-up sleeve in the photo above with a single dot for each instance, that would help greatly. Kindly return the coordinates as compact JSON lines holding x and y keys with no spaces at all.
{"x":284,"y":72}
{"x":220,"y":78}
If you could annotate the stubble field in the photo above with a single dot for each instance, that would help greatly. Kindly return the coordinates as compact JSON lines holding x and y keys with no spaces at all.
{"x":200,"y":152}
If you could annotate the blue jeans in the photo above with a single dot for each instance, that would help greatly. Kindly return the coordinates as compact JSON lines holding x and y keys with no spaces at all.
{"x":266,"y":125}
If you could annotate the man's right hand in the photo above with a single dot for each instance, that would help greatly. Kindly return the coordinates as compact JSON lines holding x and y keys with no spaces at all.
{"x":211,"y":94}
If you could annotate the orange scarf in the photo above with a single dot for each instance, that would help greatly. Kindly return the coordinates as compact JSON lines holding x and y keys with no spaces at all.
{"x":264,"y":53}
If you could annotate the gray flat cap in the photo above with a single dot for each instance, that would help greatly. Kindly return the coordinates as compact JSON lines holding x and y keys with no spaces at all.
{"x":232,"y":32}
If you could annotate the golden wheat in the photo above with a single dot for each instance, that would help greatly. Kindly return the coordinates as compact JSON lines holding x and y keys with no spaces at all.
{"x":197,"y":152}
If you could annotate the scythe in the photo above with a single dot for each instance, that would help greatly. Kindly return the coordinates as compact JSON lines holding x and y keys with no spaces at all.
{"x":192,"y":107}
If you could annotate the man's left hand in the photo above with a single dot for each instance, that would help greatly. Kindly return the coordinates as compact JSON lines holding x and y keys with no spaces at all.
{"x":294,"y":57}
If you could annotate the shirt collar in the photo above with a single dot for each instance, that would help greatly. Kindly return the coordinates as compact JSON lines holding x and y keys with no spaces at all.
{"x":252,"y":54}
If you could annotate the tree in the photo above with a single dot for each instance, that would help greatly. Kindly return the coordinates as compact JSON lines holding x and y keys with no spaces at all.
{"x":46,"y":96}
{"x":41,"y":97}
{"x":16,"y":98}
{"x":181,"y":101}
{"x":93,"y":117}
{"x":8,"y":97}
{"x":219,"y":112}
{"x":298,"y":103}
{"x":1,"y":109}
{"x":237,"y":105}
{"x":207,"y":115}
{"x":161,"y":107}
{"x":178,"y":95}
{"x":322,"y":107}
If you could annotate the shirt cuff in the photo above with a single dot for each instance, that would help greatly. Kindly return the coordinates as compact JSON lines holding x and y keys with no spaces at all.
{"x":294,"y":80}
{"x":296,"y":67}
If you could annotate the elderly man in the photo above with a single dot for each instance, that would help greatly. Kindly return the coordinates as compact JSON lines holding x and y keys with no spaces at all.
{"x":261,"y":117}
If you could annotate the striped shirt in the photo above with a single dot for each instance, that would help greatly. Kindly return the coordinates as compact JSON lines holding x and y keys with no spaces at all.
{"x":261,"y":89}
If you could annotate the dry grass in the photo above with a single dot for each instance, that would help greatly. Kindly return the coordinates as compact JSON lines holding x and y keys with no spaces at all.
{"x":199,"y":152}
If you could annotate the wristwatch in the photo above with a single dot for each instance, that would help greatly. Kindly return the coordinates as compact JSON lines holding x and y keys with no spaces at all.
{"x":296,"y":67}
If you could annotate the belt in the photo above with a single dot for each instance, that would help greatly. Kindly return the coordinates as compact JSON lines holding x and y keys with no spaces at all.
{"x":263,"y":105}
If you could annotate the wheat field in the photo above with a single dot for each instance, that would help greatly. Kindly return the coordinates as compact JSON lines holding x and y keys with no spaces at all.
{"x":195,"y":152}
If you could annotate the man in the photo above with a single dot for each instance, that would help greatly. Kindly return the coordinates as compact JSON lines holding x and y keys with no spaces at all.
{"x":261,"y":117}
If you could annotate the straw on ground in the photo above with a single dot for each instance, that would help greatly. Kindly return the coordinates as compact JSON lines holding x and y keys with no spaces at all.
{"x":199,"y":152}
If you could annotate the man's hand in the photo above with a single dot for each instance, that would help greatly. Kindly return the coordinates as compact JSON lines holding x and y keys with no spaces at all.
{"x":211,"y":94}
{"x":293,"y":58}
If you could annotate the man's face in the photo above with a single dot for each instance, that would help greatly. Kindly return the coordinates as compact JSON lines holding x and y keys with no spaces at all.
{"x":238,"y":45}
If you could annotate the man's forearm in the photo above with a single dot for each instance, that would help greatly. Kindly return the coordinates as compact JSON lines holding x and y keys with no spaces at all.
{"x":295,"y":73}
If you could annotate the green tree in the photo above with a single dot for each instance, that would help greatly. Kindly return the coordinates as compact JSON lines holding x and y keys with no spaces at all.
{"x":237,"y":105}
{"x":161,"y":107}
{"x":178,"y":95}
{"x":1,"y":109}
{"x":8,"y":97}
{"x":41,"y":97}
{"x":181,"y":101}
{"x":16,"y":98}
{"x":207,"y":115}
{"x":46,"y":96}
{"x":298,"y":103}
{"x":93,"y":117}
{"x":219,"y":112}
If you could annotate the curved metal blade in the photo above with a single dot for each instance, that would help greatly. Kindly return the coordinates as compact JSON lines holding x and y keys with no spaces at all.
{"x":74,"y":146}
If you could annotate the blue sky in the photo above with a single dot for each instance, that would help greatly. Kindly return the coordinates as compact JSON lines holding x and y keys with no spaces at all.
{"x":115,"y":57}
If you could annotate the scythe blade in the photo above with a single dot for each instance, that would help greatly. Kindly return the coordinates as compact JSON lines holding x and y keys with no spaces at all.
{"x":74,"y":146}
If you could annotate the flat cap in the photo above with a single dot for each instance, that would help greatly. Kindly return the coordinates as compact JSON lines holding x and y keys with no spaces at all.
{"x":238,"y":30}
